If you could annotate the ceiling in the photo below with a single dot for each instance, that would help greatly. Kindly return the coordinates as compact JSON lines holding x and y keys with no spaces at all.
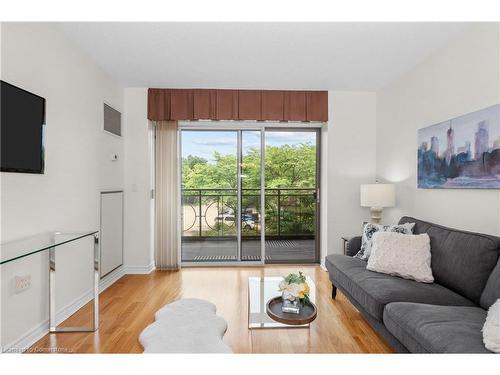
{"x":339,"y":56}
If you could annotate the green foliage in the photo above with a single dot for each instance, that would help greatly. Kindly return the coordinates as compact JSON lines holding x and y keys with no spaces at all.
{"x":190,"y":161}
{"x":287,"y":166}
{"x":292,"y":166}
{"x":197,"y":173}
{"x":294,"y":278}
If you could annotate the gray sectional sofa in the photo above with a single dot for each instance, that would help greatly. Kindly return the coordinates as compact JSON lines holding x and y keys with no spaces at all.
{"x":444,"y":317}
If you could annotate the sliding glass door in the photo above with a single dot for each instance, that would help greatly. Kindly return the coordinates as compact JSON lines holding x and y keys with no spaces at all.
{"x":220,"y":183}
{"x":291,"y":186}
{"x":227,"y":175}
{"x":209,"y":196}
{"x":251,"y":195}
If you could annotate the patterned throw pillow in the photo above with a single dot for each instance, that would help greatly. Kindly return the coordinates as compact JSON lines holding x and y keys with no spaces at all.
{"x":370,"y":229}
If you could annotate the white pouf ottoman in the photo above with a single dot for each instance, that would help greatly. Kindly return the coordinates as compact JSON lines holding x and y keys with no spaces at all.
{"x":185,"y":326}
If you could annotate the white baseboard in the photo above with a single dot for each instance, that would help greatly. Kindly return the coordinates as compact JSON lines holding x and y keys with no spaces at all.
{"x":40,"y":330}
{"x":139,"y":270}
{"x":28,"y":339}
{"x":111,"y":278}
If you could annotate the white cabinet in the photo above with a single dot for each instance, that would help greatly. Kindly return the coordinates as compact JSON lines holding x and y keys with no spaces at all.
{"x":111,"y":236}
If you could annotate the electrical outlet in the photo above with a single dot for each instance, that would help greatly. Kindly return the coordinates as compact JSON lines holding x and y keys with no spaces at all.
{"x":22,"y":283}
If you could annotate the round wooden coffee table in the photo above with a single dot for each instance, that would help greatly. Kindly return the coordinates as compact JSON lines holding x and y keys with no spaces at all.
{"x":307,"y":313}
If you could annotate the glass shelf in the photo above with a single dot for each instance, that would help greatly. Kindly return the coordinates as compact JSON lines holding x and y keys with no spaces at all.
{"x":13,"y":250}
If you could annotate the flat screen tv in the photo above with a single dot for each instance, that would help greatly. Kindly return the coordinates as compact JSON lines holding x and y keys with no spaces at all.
{"x":22,"y":126}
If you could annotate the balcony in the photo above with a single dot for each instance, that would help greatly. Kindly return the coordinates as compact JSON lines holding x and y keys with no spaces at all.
{"x":209,"y":230}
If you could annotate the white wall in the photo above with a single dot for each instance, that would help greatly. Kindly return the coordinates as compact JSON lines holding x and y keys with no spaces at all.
{"x":351,"y":162}
{"x":460,"y":78}
{"x":78,"y":166}
{"x":138,"y":175}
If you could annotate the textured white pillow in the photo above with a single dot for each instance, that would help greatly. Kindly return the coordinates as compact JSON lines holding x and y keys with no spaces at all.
{"x":404,"y":255}
{"x":369,"y":229}
{"x":491,"y":328}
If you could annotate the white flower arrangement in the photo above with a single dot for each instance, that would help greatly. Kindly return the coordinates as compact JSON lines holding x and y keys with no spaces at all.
{"x":294,"y":286}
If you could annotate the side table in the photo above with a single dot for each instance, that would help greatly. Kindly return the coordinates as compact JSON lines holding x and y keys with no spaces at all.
{"x":345,"y":240}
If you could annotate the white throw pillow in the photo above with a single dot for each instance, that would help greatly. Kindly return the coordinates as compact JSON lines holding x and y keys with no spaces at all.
{"x":369,"y":229}
{"x":491,"y":328}
{"x":404,"y":255}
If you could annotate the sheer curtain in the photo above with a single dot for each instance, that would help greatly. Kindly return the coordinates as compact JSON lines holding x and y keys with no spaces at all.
{"x":167,"y":252}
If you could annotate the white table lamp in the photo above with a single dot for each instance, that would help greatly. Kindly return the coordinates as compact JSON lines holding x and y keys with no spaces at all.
{"x":377,"y":196}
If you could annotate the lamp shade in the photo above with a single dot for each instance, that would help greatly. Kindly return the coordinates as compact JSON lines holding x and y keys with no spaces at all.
{"x":378,"y":195}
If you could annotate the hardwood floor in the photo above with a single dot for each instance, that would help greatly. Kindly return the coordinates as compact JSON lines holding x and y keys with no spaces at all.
{"x":128,"y":306}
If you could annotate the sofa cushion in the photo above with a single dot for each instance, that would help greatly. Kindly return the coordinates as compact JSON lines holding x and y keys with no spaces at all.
{"x":461,"y":261}
{"x":426,"y":328}
{"x":374,"y":290}
{"x":491,"y":292}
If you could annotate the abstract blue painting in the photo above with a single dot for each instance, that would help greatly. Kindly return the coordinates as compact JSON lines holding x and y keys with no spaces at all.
{"x":461,"y":153}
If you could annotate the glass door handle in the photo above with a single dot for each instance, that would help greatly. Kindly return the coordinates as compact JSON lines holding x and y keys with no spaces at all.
{"x":316,"y":195}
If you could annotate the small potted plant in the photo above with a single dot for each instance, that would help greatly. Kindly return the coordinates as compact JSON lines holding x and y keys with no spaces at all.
{"x":295,"y":291}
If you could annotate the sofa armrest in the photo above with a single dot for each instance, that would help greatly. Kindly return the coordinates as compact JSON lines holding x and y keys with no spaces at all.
{"x":353,"y":246}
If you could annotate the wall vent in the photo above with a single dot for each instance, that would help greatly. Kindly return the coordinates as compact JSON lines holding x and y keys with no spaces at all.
{"x":112,"y":120}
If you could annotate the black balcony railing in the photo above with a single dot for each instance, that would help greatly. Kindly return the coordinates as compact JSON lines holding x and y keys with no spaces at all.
{"x":211,"y":213}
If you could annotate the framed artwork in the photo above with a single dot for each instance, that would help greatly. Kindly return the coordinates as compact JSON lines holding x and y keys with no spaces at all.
{"x":461,"y":153}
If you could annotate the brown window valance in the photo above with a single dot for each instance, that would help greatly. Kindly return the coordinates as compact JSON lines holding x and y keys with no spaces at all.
{"x":208,"y":104}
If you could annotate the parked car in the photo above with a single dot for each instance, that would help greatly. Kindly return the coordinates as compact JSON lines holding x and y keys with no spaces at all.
{"x":226,"y":218}
{"x":247,"y":220}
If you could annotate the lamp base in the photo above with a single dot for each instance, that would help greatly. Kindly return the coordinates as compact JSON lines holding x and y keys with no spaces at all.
{"x":376,"y":213}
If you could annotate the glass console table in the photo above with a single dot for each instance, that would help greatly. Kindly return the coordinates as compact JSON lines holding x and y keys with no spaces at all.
{"x":50,"y":241}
